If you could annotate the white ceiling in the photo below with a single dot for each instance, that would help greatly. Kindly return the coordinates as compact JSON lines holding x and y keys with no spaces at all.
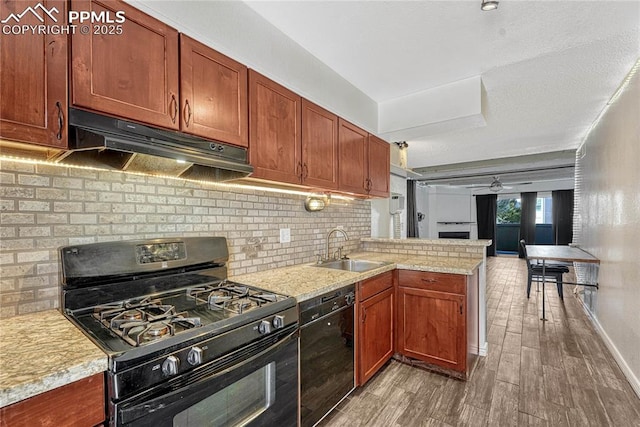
{"x":548,"y":67}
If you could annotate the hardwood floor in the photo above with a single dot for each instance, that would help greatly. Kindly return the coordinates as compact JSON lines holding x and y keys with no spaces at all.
{"x":554,"y":373}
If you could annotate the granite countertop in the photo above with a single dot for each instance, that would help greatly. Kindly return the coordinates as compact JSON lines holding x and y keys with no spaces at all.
{"x":42,"y":351}
{"x":308,"y":281}
{"x":422,"y":242}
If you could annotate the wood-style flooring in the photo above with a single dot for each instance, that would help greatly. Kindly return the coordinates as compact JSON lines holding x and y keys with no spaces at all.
{"x":554,"y":373}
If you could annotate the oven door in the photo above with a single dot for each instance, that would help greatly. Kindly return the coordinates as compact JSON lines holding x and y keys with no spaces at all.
{"x":260,"y":390}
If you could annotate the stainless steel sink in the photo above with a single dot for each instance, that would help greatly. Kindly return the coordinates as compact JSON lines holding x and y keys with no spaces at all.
{"x":357,"y":265}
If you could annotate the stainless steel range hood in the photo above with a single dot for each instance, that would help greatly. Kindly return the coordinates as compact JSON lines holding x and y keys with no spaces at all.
{"x":105,"y":142}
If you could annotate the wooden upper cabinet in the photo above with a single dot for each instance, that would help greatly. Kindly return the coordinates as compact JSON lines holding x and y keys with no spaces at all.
{"x":352,"y":158}
{"x":364,"y":161}
{"x":274,"y":130}
{"x":379,"y":167}
{"x":133,"y":75}
{"x":319,"y":146}
{"x":33,"y":79}
{"x":213,"y":94}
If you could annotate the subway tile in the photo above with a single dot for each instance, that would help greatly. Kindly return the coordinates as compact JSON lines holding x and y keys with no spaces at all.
{"x":97,"y":207}
{"x":37,"y":231}
{"x":68,"y":230}
{"x":82,"y":240}
{"x":110,"y":197}
{"x":7,"y":232}
{"x":34,"y":206}
{"x":35,"y":282}
{"x":121,"y":187}
{"x":7,"y":205}
{"x":90,"y":175}
{"x":83,"y":219}
{"x":67,"y":207}
{"x":82,"y":195}
{"x":33,"y":180}
{"x":98,"y":185}
{"x":33,"y":256}
{"x":7,"y":178}
{"x":75,"y":183}
{"x":17,"y":218}
{"x":51,"y":194}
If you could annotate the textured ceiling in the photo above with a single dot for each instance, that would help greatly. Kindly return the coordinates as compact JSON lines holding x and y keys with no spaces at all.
{"x":548,"y":67}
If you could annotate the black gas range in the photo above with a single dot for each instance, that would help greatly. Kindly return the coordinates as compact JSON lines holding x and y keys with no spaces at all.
{"x":183,"y":341}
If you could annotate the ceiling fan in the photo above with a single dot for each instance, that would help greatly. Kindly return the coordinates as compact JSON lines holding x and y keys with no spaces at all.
{"x":496,"y":185}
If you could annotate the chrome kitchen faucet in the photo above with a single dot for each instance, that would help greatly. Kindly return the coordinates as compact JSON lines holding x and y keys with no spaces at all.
{"x":335,"y":230}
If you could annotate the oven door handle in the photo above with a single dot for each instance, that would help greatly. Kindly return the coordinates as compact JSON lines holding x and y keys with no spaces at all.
{"x":168,"y":400}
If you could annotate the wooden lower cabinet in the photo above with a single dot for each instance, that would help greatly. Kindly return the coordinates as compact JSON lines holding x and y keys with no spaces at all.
{"x":437,"y":319}
{"x":81,"y":403}
{"x":376,"y":305}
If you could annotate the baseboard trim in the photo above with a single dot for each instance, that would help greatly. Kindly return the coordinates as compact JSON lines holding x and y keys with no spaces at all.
{"x":484,"y":349}
{"x":626,"y":370}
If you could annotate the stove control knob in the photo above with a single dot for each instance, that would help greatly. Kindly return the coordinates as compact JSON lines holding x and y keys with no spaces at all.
{"x":264,"y":327}
{"x":170,"y":365}
{"x":195,"y":356}
{"x":278,"y":322}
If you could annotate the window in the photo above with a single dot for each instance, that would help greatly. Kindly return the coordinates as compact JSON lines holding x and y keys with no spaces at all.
{"x":543,"y":210}
{"x":509,"y":211}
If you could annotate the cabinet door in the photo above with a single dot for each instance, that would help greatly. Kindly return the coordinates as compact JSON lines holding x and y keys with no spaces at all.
{"x":375,"y":334}
{"x":133,"y":75}
{"x":379,"y":167}
{"x":33,"y":79}
{"x":431,"y":327}
{"x":274,"y":130}
{"x":213,"y":94}
{"x":80,"y":403}
{"x":352,"y":158}
{"x":319,"y":146}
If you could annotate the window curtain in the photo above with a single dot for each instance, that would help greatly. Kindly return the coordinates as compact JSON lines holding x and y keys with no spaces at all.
{"x":562,"y":212}
{"x":412,"y":210}
{"x":486,"y":207}
{"x":528,"y":219}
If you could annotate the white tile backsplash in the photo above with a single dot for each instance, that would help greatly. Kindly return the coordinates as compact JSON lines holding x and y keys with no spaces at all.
{"x":43,"y":207}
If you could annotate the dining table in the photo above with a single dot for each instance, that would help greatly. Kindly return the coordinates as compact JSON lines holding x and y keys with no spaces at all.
{"x":561,"y":253}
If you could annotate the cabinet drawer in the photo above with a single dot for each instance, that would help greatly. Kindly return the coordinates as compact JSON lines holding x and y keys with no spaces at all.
{"x":443,"y":282}
{"x":370,"y":287}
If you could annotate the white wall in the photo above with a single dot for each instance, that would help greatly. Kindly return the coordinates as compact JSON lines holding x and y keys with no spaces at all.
{"x":608,"y":224}
{"x":446,"y":204}
{"x":236,"y":30}
{"x":381,"y":220}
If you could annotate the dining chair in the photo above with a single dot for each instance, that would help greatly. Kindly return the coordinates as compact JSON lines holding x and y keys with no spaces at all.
{"x":554,"y":271}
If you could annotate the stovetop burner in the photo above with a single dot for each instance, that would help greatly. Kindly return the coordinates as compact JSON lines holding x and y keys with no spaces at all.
{"x":232,"y":297}
{"x":147,"y":319}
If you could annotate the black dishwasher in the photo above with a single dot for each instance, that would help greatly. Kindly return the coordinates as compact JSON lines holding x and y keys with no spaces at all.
{"x":326,"y":353}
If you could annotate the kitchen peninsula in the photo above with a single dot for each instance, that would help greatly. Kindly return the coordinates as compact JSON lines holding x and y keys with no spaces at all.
{"x":302,"y":281}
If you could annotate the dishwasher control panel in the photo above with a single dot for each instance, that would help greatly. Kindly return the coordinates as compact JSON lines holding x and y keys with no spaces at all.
{"x":317,"y":307}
